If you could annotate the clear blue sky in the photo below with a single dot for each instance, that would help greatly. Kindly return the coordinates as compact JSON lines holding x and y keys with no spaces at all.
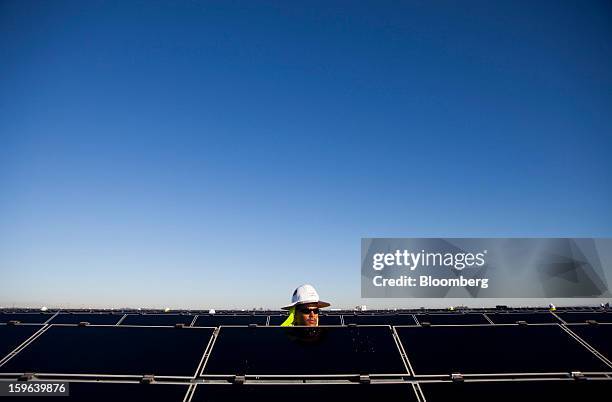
{"x":218,"y":154}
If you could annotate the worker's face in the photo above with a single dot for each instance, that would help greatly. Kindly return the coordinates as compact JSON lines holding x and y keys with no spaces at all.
{"x":305,"y":314}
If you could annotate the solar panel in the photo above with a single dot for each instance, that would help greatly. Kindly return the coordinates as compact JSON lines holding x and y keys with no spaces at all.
{"x":382,"y":319}
{"x":495,"y":349}
{"x":557,"y":390}
{"x":304,"y":392}
{"x":580,"y":317}
{"x":278,"y":319}
{"x":531,"y":318}
{"x":92,"y":318}
{"x":26,"y":318}
{"x":304,"y":351}
{"x":157,"y":319}
{"x":216,"y":320}
{"x":452,"y":319}
{"x":12,"y":336}
{"x":164,"y":351}
{"x":277,"y":361}
{"x":598,"y":336}
{"x":109,"y":391}
{"x":330,"y":320}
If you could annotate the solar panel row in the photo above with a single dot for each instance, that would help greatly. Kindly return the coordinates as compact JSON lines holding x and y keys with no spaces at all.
{"x":11,"y":336}
{"x":114,"y":350}
{"x":381,"y":319}
{"x":557,"y":390}
{"x":497,"y":349}
{"x":407,"y":353}
{"x":305,"y":351}
{"x":299,"y":351}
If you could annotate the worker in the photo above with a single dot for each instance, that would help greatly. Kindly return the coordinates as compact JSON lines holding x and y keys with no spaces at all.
{"x":304,"y":307}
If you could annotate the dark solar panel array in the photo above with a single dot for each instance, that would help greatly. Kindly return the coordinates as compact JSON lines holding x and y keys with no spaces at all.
{"x":158,"y":319}
{"x":598,"y":337}
{"x":486,"y":391}
{"x":30,"y":318}
{"x":92,"y":318}
{"x":396,"y":319}
{"x":410,"y":356}
{"x":329,"y":320}
{"x":452,"y":319}
{"x":305,"y":351}
{"x":12,"y":336}
{"x":81,"y":391}
{"x":495,"y":349}
{"x":582,"y":317}
{"x":305,"y":392}
{"x":117,"y":350}
{"x":531,"y":318}
{"x":217,"y":320}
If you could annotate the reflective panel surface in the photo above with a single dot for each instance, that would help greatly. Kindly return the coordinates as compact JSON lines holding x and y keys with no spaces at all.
{"x":383,"y":319}
{"x":495,"y":349}
{"x":92,"y":318}
{"x":12,"y":336}
{"x":304,"y":351}
{"x":598,"y":336}
{"x":552,"y":390}
{"x":157,"y":319}
{"x":452,"y":319}
{"x":216,"y":320}
{"x":113,"y":350}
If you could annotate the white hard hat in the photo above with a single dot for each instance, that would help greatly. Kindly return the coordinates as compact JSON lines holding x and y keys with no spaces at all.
{"x":303,"y":295}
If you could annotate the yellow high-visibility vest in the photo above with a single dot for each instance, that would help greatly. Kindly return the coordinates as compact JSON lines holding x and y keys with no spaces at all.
{"x":289,"y":321}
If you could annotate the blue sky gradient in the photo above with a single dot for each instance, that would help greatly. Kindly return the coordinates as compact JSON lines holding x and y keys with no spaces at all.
{"x":218,"y":154}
